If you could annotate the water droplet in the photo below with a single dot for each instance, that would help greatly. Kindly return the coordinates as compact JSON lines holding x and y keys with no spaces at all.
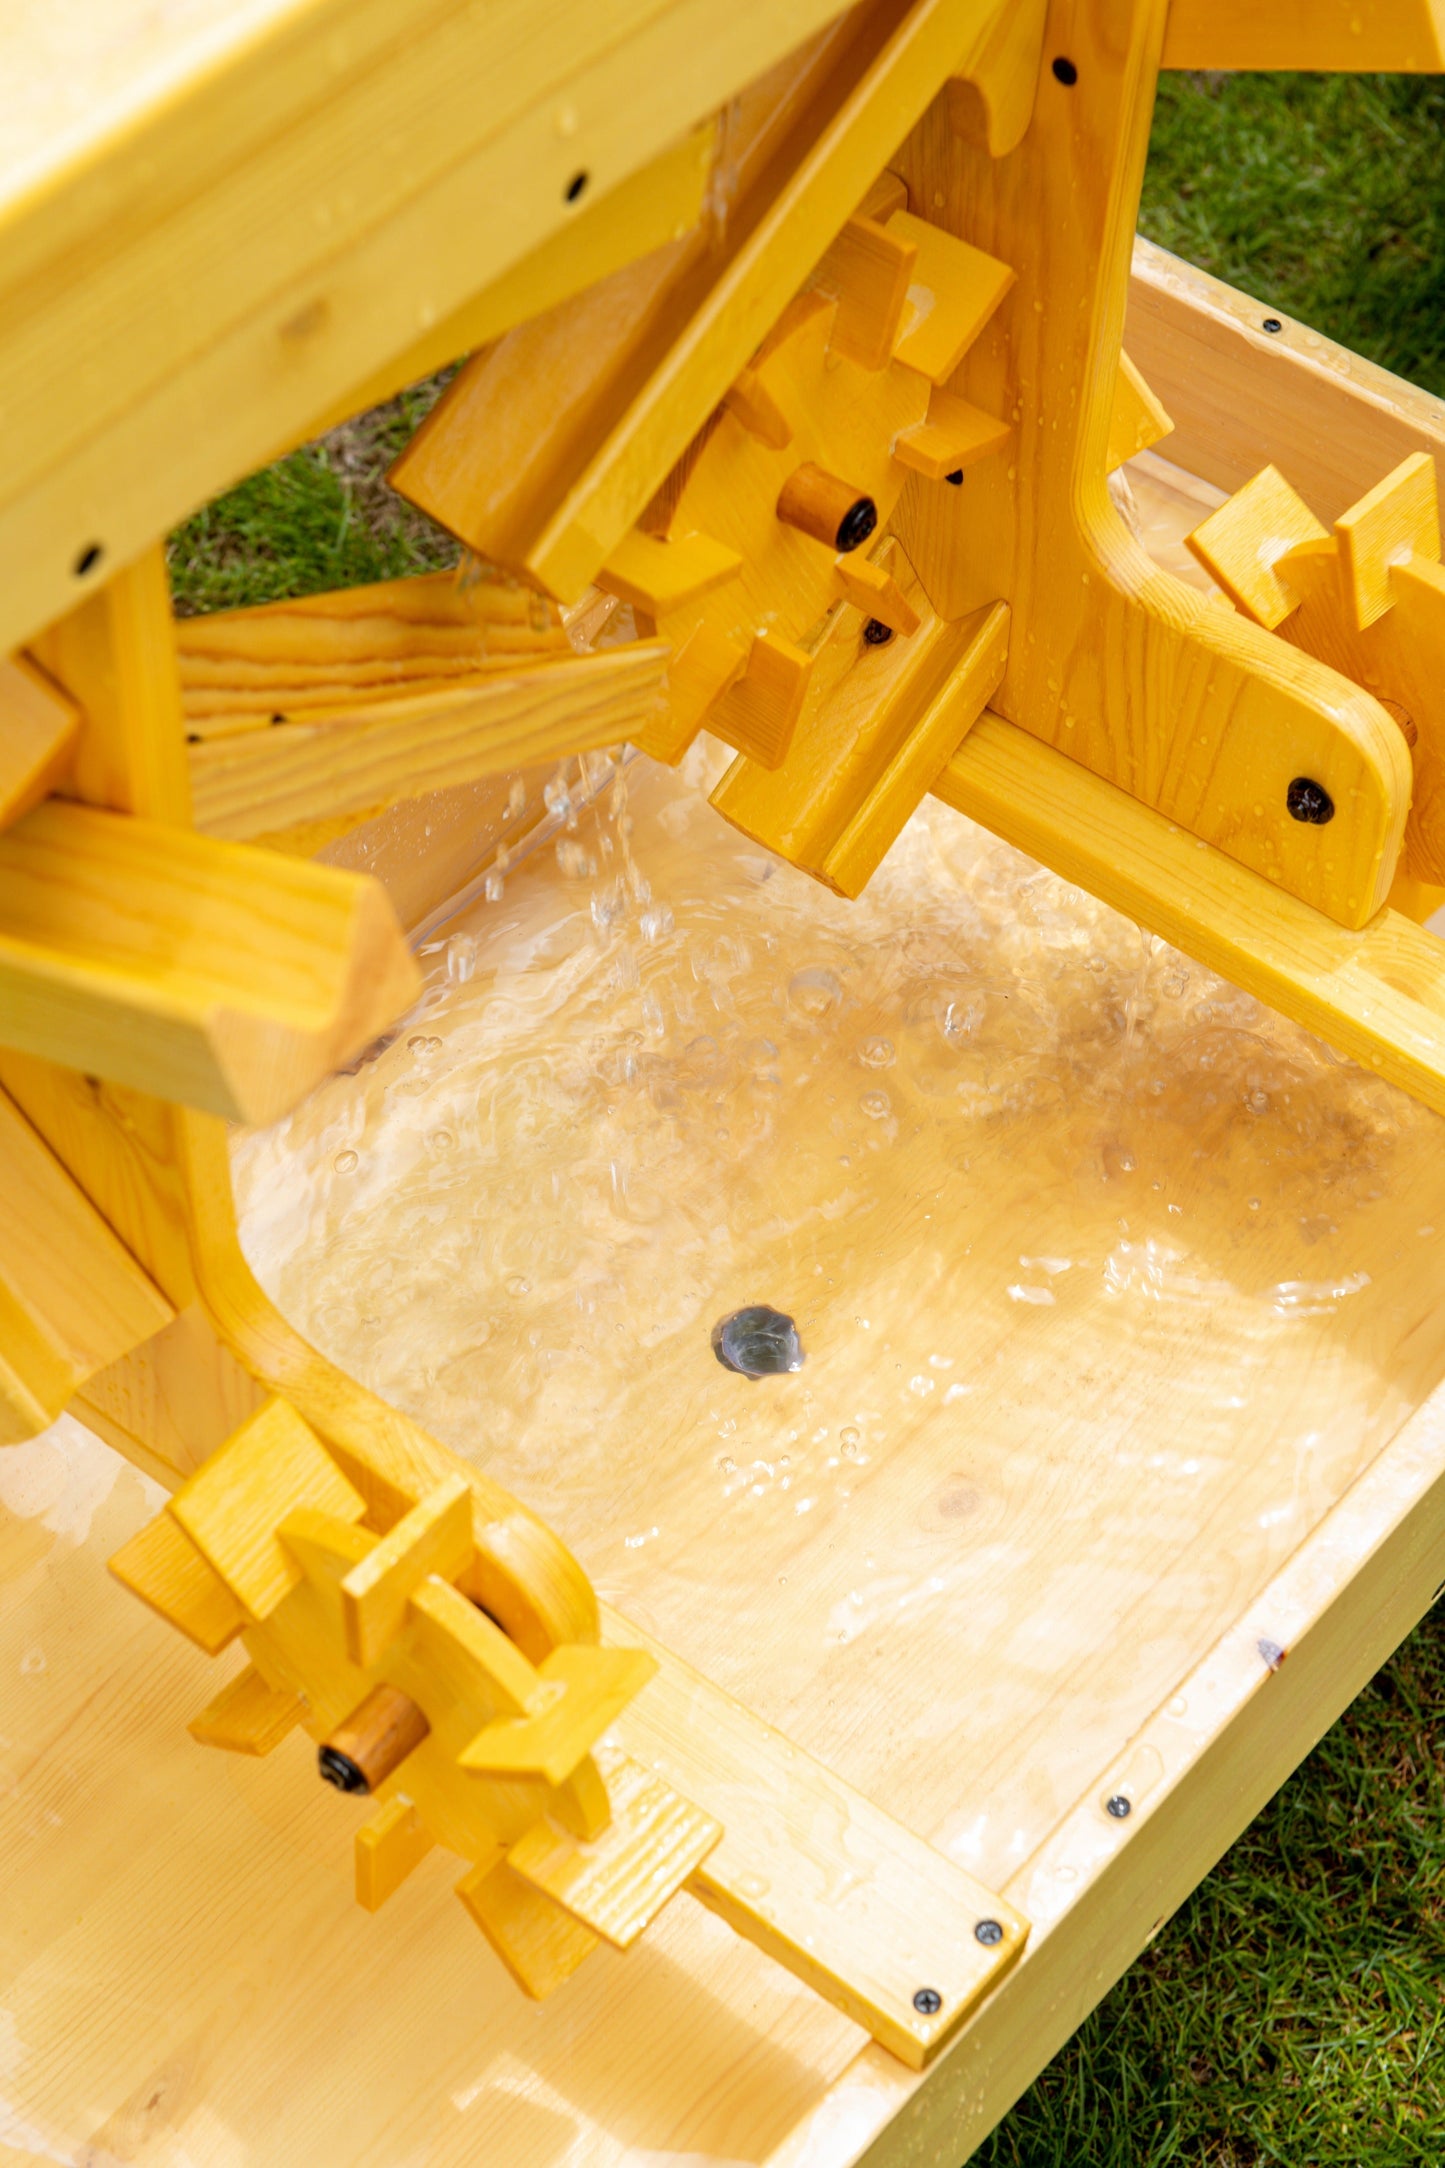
{"x":346,"y":1162}
{"x":758,"y":1342}
{"x":876,"y":1105}
{"x":516,"y":798}
{"x":558,"y":798}
{"x":517,"y":1284}
{"x":814,"y":993}
{"x":849,"y":1441}
{"x":573,"y":860}
{"x":493,"y":888}
{"x":655,"y":924}
{"x":876,"y":1053}
{"x":440,"y":1141}
{"x":462,"y":953}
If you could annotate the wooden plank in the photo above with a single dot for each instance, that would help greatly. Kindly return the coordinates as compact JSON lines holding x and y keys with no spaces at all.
{"x":329,"y":192}
{"x":389,"y":1845}
{"x":867,"y":270}
{"x":162,"y":1566}
{"x":1402,"y":37}
{"x":956,"y":289}
{"x":38,"y":730}
{"x":585,"y":482}
{"x":1242,"y":398}
{"x":245,"y":669}
{"x":540,"y":1944}
{"x":256,"y":783}
{"x":197,"y":969}
{"x":1377,"y":993}
{"x":617,"y":1883}
{"x":72,"y":1299}
{"x":1138,"y":419}
{"x":247,"y":1716}
{"x":170,"y":1402}
{"x":435,"y":1537}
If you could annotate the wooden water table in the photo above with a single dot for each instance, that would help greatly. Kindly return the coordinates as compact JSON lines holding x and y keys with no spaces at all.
{"x":813,"y":376}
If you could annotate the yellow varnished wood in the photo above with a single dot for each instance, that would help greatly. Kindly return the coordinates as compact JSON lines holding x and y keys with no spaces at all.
{"x":247,"y":1716}
{"x":1378,"y":994}
{"x":540,"y":1944}
{"x":655,"y":575}
{"x":72,"y":1299}
{"x":198,"y":969}
{"x":955,"y":290}
{"x":1114,"y":662}
{"x":867,"y":270}
{"x":167,"y":1404}
{"x":614,"y":1885}
{"x":952,"y":436}
{"x":1402,"y":36}
{"x":1137,"y":419}
{"x":247,"y":669}
{"x":358,"y":761}
{"x":38,"y":730}
{"x":992,"y":95}
{"x":232,"y":1507}
{"x":1241,"y":546}
{"x":1399,"y":519}
{"x":560,"y":517}
{"x":435,"y":1537}
{"x":162,"y":1566}
{"x":582,"y":1691}
{"x":390,"y":1844}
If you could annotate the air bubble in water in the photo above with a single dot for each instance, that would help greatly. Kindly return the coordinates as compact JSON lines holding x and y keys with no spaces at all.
{"x":346,"y":1162}
{"x":517,"y":1284}
{"x":558,"y":798}
{"x":849,"y":1441}
{"x":516,"y":799}
{"x":462,"y":948}
{"x":493,"y":888}
{"x":656,"y":924}
{"x":441,"y":1140}
{"x":876,"y":1053}
{"x":573,"y":860}
{"x":876,"y":1105}
{"x":814,"y":992}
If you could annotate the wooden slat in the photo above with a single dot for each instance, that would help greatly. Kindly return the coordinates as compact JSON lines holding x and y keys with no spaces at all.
{"x":1378,"y":994}
{"x":1402,"y":37}
{"x":333,"y":189}
{"x":256,"y":783}
{"x":620,"y":1881}
{"x":247,"y":1716}
{"x":203,"y":971}
{"x":1242,"y":398}
{"x":38,"y":730}
{"x":72,"y":1300}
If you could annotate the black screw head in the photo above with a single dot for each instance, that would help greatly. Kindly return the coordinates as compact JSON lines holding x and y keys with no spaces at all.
{"x":927,"y":2002}
{"x":1309,"y":801}
{"x":989,"y":1933}
{"x":1120,"y":1807}
{"x":1065,"y":72}
{"x":340,"y":1770}
{"x":1272,"y":324}
{"x":956,"y":477}
{"x":758,"y":1342}
{"x":857,"y":523}
{"x":876,"y":633}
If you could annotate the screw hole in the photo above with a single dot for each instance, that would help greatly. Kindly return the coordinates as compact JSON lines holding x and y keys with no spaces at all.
{"x":575,"y":187}
{"x":1309,"y":801}
{"x":88,"y":559}
{"x":1065,"y":72}
{"x":1273,"y":324}
{"x":956,"y":477}
{"x":876,"y":633}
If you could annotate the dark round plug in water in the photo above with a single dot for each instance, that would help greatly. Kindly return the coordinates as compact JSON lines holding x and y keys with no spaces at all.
{"x":1309,"y":801}
{"x":758,"y":1342}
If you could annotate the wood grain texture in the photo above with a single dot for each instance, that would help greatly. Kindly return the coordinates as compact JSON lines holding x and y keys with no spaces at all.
{"x":255,"y":783}
{"x":247,"y":1716}
{"x":1141,"y":680}
{"x":72,"y":1299}
{"x":162,"y":1566}
{"x":327,"y":194}
{"x":1242,"y":398}
{"x":38,"y":730}
{"x":390,"y":1844}
{"x":202,"y":970}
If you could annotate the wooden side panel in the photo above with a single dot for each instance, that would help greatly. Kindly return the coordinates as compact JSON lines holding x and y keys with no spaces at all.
{"x":1401,"y":37}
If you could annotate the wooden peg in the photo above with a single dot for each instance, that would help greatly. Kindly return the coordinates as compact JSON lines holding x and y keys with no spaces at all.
{"x":248,"y":1716}
{"x":657,"y":576}
{"x":1397,"y":520}
{"x":759,"y":714}
{"x":1137,"y":419}
{"x":162,"y":1566}
{"x":371,"y":1744}
{"x":829,"y":509}
{"x":874,"y":590}
{"x":540,"y":1944}
{"x":867,"y":270}
{"x":749,"y":399}
{"x":232,"y":1508}
{"x":39,"y":727}
{"x":389,"y":1845}
{"x":435,"y":1537}
{"x":953,"y":437}
{"x":1242,"y":543}
{"x":955,"y":290}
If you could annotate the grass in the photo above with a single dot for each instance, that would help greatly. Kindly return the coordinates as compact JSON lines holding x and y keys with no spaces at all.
{"x":1294,"y":2011}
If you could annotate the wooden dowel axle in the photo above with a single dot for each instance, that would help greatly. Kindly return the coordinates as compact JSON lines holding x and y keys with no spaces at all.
{"x":829,"y":509}
{"x":370,"y":1744}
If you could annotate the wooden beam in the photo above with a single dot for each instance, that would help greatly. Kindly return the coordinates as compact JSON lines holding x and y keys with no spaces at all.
{"x":38,"y":730}
{"x":203,"y":971}
{"x":352,"y":174}
{"x":72,"y":1299}
{"x":1398,"y":37}
{"x":1377,"y":994}
{"x":261,"y":782}
{"x":1242,"y":398}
